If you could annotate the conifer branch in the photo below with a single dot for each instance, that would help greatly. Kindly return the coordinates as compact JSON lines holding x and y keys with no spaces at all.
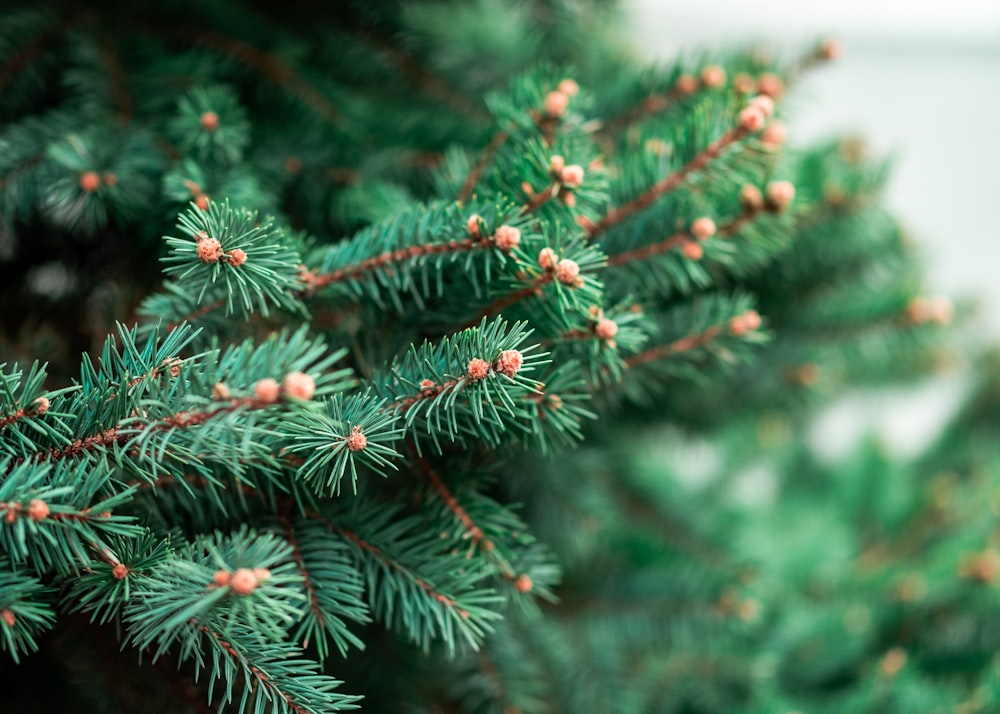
{"x":728,"y":229}
{"x":265,"y":64}
{"x":307,"y":580}
{"x":671,"y":182}
{"x":684,"y":344}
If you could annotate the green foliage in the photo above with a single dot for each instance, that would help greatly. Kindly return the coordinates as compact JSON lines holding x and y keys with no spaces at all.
{"x":412,"y":253}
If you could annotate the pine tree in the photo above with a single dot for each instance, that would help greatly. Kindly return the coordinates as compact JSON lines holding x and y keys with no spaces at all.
{"x":424,"y":263}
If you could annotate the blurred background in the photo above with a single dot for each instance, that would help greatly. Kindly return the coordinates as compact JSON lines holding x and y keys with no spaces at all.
{"x":921,"y":82}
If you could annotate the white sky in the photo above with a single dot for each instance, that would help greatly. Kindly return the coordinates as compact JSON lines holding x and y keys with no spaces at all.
{"x":722,"y":20}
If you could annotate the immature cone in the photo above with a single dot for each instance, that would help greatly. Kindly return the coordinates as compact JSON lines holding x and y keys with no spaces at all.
{"x":606,"y":329}
{"x":569,"y":87}
{"x":692,"y":251}
{"x":209,"y":121}
{"x":472,"y":225}
{"x":751,"y":198}
{"x":243,"y":581}
{"x":830,"y":49}
{"x":567,"y":271}
{"x":556,"y":103}
{"x":523,"y":584}
{"x":7,"y":617}
{"x":208,"y":250}
{"x":556,"y":164}
{"x":509,"y":362}
{"x":201,"y":201}
{"x":764,"y":103}
{"x":780,"y":194}
{"x":507,"y":238}
{"x":267,"y":391}
{"x":220,"y":392}
{"x":237,"y":257}
{"x":771,"y":85}
{"x":713,"y":76}
{"x":703,"y":228}
{"x":40,"y":406}
{"x":90,"y":181}
{"x":299,"y":385}
{"x":477,"y":368}
{"x":120,"y":571}
{"x":686,"y":84}
{"x":221,"y":577}
{"x":752,"y":119}
{"x":38,"y":510}
{"x":572,"y":176}
{"x":356,"y":441}
{"x":547,"y":259}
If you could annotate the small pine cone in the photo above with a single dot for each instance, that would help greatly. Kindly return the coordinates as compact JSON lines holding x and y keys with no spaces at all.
{"x":299,"y":385}
{"x":744,"y":83}
{"x":774,"y":135}
{"x":752,"y":119}
{"x":771,"y":85}
{"x":262,"y":574}
{"x":764,"y":103}
{"x":572,"y":176}
{"x":555,"y":104}
{"x":220,"y":392}
{"x":523,"y":583}
{"x":830,"y":49}
{"x":567,"y":271}
{"x":7,"y":617}
{"x":556,"y":164}
{"x":692,"y":251}
{"x":703,"y":228}
{"x":477,"y":368}
{"x":606,"y":329}
{"x":221,"y":577}
{"x":713,"y":76}
{"x":38,"y":510}
{"x":426,"y":385}
{"x":40,"y":406}
{"x":751,"y":197}
{"x":120,"y":571}
{"x":356,"y":441}
{"x":509,"y":362}
{"x":90,"y":181}
{"x":237,"y":257}
{"x":243,"y":581}
{"x":751,"y":318}
{"x":209,"y":121}
{"x":507,"y":238}
{"x":569,"y":87}
{"x":780,"y":194}
{"x":209,"y":250}
{"x":472,"y":225}
{"x":201,"y":201}
{"x":267,"y":391}
{"x":547,"y":259}
{"x":686,"y":84}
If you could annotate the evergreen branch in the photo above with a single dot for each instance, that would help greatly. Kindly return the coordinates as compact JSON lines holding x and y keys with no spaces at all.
{"x":730,"y":228}
{"x":684,"y":344}
{"x":24,"y":612}
{"x":273,"y":678}
{"x":476,"y":173}
{"x":668,"y":183}
{"x":267,"y":65}
{"x":540,"y":198}
{"x":368,"y":265}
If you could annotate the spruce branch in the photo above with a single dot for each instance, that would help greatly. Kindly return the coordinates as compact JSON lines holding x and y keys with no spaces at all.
{"x":670,"y":182}
{"x":25,"y":612}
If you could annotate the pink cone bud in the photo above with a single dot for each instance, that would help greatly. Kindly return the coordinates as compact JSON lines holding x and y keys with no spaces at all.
{"x":556,"y":164}
{"x":90,"y":181}
{"x":477,"y":368}
{"x":472,"y":225}
{"x":509,"y":362}
{"x":555,"y":104}
{"x":356,"y":441}
{"x":686,"y":84}
{"x":237,"y":257}
{"x":780,"y":194}
{"x":40,"y":406}
{"x":243,"y":581}
{"x":774,"y":135}
{"x":208,"y":250}
{"x":752,"y":119}
{"x":771,"y":85}
{"x":751,"y":197}
{"x":713,"y":76}
{"x":692,"y":251}
{"x":299,"y":385}
{"x":703,"y":228}
{"x":267,"y":391}
{"x":209,"y":121}
{"x":606,"y":329}
{"x":569,"y":87}
{"x":507,"y":238}
{"x":567,"y":271}
{"x":830,"y":49}
{"x":38,"y":510}
{"x":764,"y":103}
{"x":547,"y":259}
{"x":572,"y":176}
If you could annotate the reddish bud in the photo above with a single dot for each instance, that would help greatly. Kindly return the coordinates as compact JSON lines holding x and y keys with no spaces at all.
{"x":267,"y":391}
{"x":713,"y":76}
{"x":780,"y":194}
{"x":237,"y":257}
{"x":771,"y":85}
{"x":477,"y":368}
{"x":556,"y":103}
{"x":572,"y":176}
{"x":509,"y":362}
{"x":299,"y":385}
{"x":40,"y":406}
{"x":692,"y":251}
{"x":209,"y":121}
{"x":208,"y":250}
{"x":523,"y":584}
{"x":243,"y":581}
{"x":507,"y":238}
{"x":752,"y":119}
{"x":7,"y":617}
{"x":703,"y":228}
{"x":606,"y":329}
{"x":686,"y":84}
{"x":567,"y":271}
{"x":569,"y":87}
{"x":90,"y":181}
{"x":356,"y":441}
{"x":120,"y":571}
{"x":547,"y":259}
{"x":38,"y":510}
